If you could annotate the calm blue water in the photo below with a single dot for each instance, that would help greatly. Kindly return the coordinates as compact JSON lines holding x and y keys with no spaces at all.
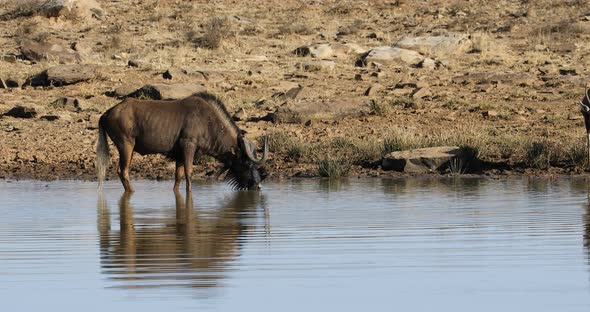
{"x":411,"y":244}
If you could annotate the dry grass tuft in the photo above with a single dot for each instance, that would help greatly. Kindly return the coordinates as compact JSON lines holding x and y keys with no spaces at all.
{"x":216,"y":30}
{"x":333,"y":167}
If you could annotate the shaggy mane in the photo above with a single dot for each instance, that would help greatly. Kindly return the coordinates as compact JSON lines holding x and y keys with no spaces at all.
{"x":217,"y":103}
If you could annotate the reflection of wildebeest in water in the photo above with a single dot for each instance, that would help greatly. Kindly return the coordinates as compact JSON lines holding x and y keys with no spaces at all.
{"x":188,"y":250}
{"x":181,"y":129}
{"x":587,"y":230}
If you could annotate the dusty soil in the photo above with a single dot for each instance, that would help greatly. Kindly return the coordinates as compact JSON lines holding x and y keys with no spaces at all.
{"x":519,"y":83}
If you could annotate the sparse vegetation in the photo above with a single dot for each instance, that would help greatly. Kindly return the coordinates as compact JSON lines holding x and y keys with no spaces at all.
{"x":215,"y":31}
{"x":333,"y":167}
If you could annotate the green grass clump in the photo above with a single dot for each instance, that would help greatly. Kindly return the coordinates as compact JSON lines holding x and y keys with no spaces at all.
{"x":333,"y":167}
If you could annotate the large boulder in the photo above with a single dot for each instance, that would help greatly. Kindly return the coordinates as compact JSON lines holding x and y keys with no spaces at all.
{"x":62,"y":75}
{"x":305,"y":110}
{"x":424,"y":160}
{"x":437,"y":45}
{"x":161,"y":91}
{"x":391,"y":55}
{"x":39,"y":51}
{"x":70,"y":74}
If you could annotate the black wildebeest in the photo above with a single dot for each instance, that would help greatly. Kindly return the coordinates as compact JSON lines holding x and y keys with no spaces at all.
{"x":585,"y":109}
{"x":196,"y":125}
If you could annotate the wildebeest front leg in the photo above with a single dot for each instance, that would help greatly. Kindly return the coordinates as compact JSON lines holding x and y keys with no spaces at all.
{"x":189,"y":154}
{"x":178,"y":175}
{"x":125,"y":156}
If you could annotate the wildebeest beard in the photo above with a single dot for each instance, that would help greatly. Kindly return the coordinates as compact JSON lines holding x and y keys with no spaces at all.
{"x":243,"y":174}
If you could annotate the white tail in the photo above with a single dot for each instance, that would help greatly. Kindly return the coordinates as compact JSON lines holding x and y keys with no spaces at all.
{"x":103,"y":157}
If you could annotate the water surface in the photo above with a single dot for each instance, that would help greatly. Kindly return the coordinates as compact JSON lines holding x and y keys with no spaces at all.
{"x":300,"y":245}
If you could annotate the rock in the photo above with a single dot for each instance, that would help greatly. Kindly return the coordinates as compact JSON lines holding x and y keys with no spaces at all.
{"x":428,"y":63}
{"x":139,"y":64}
{"x":437,"y":45}
{"x":174,"y":74}
{"x":160,"y":91}
{"x":489,"y":114}
{"x":421,"y":93}
{"x":329,"y":50}
{"x":71,"y":9}
{"x":22,"y":112}
{"x":390,"y":55}
{"x":240,"y":115}
{"x":520,"y":79}
{"x":49,"y":117}
{"x":14,"y":82}
{"x":377,"y":35}
{"x":72,"y":104}
{"x":205,"y":77}
{"x":567,"y":71}
{"x":303,"y":111}
{"x":69,"y":74}
{"x":374,"y":88}
{"x":422,"y":160}
{"x":39,"y":51}
{"x":8,"y":58}
{"x":122,"y":91}
{"x":323,"y":65}
{"x":254,"y":58}
{"x":289,"y":94}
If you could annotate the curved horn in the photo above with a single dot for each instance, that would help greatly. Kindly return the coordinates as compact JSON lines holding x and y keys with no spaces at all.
{"x":248,"y":148}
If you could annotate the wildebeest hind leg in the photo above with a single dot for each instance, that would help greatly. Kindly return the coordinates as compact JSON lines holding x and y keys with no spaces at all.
{"x":125,"y":156}
{"x":178,"y":175}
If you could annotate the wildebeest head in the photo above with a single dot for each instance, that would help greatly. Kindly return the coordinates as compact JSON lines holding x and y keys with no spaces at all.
{"x":244,"y":170}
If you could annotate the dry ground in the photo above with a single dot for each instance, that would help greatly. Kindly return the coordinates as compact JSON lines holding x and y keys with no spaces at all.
{"x":526,"y":119}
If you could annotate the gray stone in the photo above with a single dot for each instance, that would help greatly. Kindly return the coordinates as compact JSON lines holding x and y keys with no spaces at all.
{"x":437,"y":45}
{"x":123,"y":91}
{"x":428,"y":63}
{"x":141,"y":64}
{"x":71,"y":8}
{"x":374,"y":88}
{"x":39,"y":51}
{"x":329,"y":50}
{"x":70,"y":74}
{"x":72,"y":104}
{"x":391,"y":55}
{"x":422,"y":160}
{"x":174,"y":74}
{"x":489,"y":114}
{"x":521,"y":79}
{"x":312,"y":66}
{"x":303,"y":111}
{"x":421,"y":93}
{"x":160,"y":91}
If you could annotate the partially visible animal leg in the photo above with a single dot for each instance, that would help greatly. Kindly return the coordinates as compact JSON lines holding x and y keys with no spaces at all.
{"x":189,"y":155}
{"x":125,"y":156}
{"x":179,"y":174}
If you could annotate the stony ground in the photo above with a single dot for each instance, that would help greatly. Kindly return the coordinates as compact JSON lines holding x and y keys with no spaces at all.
{"x":510,"y":93}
